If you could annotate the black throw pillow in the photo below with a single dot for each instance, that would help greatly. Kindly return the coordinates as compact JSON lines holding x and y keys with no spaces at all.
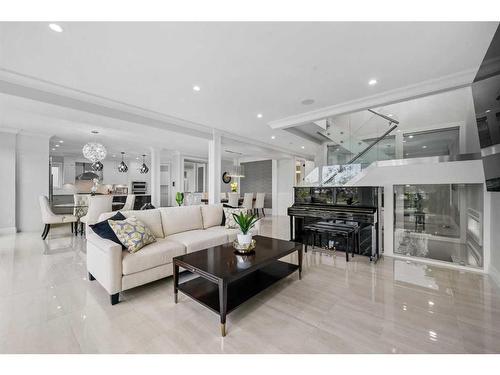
{"x":103,"y":229}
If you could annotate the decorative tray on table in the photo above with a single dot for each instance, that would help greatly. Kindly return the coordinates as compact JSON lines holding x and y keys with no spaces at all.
{"x":243,"y":249}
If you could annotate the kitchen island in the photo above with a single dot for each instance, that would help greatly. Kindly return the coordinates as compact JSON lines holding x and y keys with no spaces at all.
{"x":140,"y":200}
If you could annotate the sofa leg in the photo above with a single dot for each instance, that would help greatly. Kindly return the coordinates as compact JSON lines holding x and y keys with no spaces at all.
{"x":45,"y":231}
{"x":91,"y":277}
{"x":115,"y":298}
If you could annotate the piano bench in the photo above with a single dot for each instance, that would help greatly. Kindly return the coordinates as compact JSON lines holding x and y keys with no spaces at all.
{"x":349,"y":232}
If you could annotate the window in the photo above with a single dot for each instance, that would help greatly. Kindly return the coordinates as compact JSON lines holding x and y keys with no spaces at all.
{"x":431,"y":143}
{"x":442,"y":222}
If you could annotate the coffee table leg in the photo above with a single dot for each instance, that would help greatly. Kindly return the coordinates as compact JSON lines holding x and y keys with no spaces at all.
{"x":223,"y":306}
{"x":300,"y":263}
{"x":176,"y":281}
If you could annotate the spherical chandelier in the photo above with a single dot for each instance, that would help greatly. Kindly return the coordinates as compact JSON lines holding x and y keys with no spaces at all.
{"x":144,"y":168}
{"x":122,"y":167}
{"x":94,"y":152}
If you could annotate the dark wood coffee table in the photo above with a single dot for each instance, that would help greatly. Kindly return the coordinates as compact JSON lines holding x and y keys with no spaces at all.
{"x":226,"y":279}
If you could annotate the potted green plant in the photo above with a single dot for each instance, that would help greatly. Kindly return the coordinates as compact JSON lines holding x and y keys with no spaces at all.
{"x":179,"y":198}
{"x":246,"y":222}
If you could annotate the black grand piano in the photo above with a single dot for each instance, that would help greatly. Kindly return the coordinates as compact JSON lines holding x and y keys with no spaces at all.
{"x":359,"y":205}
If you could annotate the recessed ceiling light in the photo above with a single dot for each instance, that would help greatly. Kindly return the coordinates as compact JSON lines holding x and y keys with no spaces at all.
{"x":410,"y":136}
{"x":372,"y":82}
{"x":307,"y":101}
{"x":302,"y":147}
{"x":259,"y":115}
{"x":488,"y":110}
{"x":57,"y":145}
{"x":196,"y":88}
{"x":273,"y":137}
{"x":390,"y":115}
{"x":424,"y":146}
{"x":53,"y":149}
{"x":114,"y":155}
{"x":61,"y":141}
{"x":55,"y":27}
{"x":95,"y":132}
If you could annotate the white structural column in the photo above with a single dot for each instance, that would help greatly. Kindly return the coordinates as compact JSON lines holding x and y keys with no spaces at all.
{"x":274,"y":187}
{"x":155,"y":176}
{"x":214,"y":168}
{"x":32,"y":179}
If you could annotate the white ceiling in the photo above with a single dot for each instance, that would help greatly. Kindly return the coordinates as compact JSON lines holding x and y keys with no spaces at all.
{"x":242,"y":68}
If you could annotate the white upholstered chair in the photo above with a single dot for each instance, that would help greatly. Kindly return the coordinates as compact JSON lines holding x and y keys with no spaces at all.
{"x":259,"y":203}
{"x":223,"y":196}
{"x":248,"y":201}
{"x":49,"y":217}
{"x":129,"y":203}
{"x":98,"y":204}
{"x":233,"y":199}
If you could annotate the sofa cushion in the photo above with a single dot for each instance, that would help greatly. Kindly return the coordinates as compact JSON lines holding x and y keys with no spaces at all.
{"x":195,"y":240}
{"x":154,"y":255}
{"x":103,"y":230}
{"x":152,"y":219}
{"x":228,"y":213}
{"x":212,"y":215}
{"x":180,"y":219}
{"x":230,"y":233}
{"x":132,"y":233}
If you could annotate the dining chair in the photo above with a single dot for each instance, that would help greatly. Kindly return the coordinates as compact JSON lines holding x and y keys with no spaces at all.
{"x":248,"y":201}
{"x":129,"y":203}
{"x":223,"y":195}
{"x":259,"y":203}
{"x":49,"y":217}
{"x":98,"y":204}
{"x":233,"y":199}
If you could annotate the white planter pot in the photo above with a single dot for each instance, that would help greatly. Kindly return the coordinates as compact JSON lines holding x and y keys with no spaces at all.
{"x":244,"y":239}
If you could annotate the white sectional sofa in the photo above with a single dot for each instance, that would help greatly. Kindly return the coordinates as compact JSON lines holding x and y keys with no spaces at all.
{"x":178,"y":230}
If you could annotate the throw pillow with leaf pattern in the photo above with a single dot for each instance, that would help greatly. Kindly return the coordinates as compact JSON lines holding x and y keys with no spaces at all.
{"x":228,"y":213}
{"x":132,"y":233}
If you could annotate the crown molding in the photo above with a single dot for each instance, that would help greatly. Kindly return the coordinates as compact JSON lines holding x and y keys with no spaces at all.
{"x":30,"y":133}
{"x":17,"y":84}
{"x":9,"y":130}
{"x":13,"y":83}
{"x":434,"y":86}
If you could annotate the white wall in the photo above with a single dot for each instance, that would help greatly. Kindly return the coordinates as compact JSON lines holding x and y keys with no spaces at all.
{"x":32,"y":180}
{"x":8,"y":185}
{"x":285,"y":180}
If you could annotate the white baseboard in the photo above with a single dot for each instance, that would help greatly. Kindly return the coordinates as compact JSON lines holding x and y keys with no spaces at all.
{"x":9,"y":230}
{"x":495,"y":275}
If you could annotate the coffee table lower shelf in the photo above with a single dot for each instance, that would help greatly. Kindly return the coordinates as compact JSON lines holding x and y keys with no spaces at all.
{"x":207,"y":292}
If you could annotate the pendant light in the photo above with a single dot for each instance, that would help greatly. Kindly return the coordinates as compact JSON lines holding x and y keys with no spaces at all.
{"x":94,"y":151}
{"x":122,"y":167}
{"x":97,"y":166}
{"x":144,"y":168}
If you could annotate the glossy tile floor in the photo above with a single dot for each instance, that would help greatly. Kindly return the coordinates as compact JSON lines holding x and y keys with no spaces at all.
{"x":47,"y":305}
